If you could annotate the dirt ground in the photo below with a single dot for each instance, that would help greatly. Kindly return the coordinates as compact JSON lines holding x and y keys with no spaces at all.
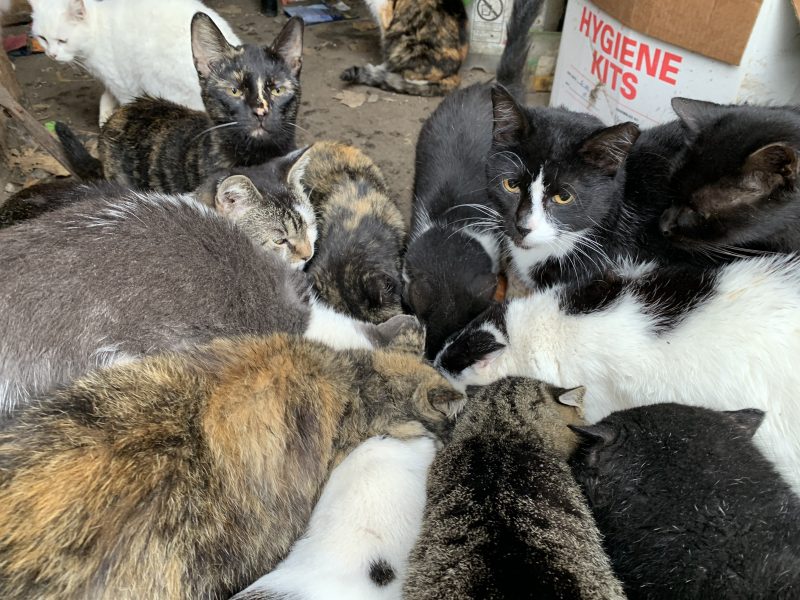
{"x":385,"y":126}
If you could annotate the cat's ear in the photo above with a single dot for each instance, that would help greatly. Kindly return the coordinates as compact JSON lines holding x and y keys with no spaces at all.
{"x":483,"y":286}
{"x":77,"y":10}
{"x":443,"y":399}
{"x":509,"y":123}
{"x":402,"y":333}
{"x":293,"y":167}
{"x":602,"y":433}
{"x":235,"y":196}
{"x":289,"y":44}
{"x":572,"y":397}
{"x":208,"y":44}
{"x":608,"y":148}
{"x":747,"y":420}
{"x":420,"y":295}
{"x":693,"y":113}
{"x":779,"y":158}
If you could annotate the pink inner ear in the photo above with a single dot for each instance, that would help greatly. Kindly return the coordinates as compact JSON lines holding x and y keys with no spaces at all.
{"x":488,"y":359}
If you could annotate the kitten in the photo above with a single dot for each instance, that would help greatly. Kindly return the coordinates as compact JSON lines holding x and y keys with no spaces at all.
{"x":189,"y":475}
{"x":106,"y":39}
{"x":504,"y":516}
{"x":251,"y":96}
{"x":688,"y":507}
{"x":115,"y":277}
{"x":423,"y":43}
{"x":452,"y":264}
{"x":357,"y":267}
{"x":747,"y":195}
{"x":723,"y":339}
{"x":362,"y":529}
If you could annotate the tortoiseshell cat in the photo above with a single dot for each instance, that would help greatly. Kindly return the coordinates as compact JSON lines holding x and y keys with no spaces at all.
{"x":504,"y":517}
{"x":251,"y":95}
{"x":423,"y":42}
{"x":188,"y":475}
{"x":356,"y":269}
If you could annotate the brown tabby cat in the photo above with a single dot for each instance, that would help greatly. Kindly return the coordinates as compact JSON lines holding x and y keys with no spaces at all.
{"x":356,"y":269}
{"x":424,"y":43}
{"x":190,"y":475}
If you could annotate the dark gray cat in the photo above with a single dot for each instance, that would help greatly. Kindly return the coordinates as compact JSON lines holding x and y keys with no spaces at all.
{"x":504,"y":517}
{"x":688,"y":506}
{"x":118,"y":276}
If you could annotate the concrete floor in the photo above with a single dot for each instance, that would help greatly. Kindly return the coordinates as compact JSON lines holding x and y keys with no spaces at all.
{"x":385,"y":126}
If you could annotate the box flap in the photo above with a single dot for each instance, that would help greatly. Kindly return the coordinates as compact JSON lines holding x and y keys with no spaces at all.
{"x":719,"y":29}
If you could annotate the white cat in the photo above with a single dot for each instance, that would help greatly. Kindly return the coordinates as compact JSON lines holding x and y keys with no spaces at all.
{"x":362,"y":529}
{"x":727,"y":340}
{"x":134,"y":47}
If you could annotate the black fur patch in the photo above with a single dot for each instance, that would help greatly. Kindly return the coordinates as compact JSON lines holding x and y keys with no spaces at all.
{"x":381,"y":572}
{"x":466,"y":349}
{"x":671,"y":294}
{"x":592,"y":297}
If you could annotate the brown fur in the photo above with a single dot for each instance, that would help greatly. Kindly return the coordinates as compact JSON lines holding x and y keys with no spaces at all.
{"x":357,"y":266}
{"x":189,"y":475}
{"x":424,"y":43}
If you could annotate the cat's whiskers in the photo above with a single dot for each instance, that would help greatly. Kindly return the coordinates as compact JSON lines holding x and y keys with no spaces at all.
{"x":210,"y":129}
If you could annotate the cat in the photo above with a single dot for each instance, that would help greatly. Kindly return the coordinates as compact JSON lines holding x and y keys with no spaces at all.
{"x":504,"y":517}
{"x":687,"y":505}
{"x":251,"y":96}
{"x":106,"y":39}
{"x":361,"y":530}
{"x":188,"y":475}
{"x":724,"y":339}
{"x":452,"y":266}
{"x":115,"y":277}
{"x":423,"y":43}
{"x":748,"y":195}
{"x":362,"y":232}
{"x":40,"y":198}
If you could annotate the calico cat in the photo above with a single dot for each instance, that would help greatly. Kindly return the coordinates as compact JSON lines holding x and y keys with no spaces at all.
{"x":504,"y":516}
{"x":362,"y":529}
{"x":188,"y":475}
{"x":723,"y":339}
{"x":687,"y":505}
{"x":452,"y":265}
{"x":423,"y":43}
{"x":747,"y":195}
{"x":251,"y":96}
{"x":115,"y":277}
{"x":106,"y":39}
{"x":357,"y":267}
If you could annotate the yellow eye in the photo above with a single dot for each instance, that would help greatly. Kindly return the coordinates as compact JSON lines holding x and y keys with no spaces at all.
{"x":278,"y":90}
{"x":511,"y":185}
{"x":281,"y":241}
{"x":235,"y":92}
{"x":564,"y":198}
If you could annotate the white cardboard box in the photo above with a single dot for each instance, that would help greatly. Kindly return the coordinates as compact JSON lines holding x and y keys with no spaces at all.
{"x":620,"y":74}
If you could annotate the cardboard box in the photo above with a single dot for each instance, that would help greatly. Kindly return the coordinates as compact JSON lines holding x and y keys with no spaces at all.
{"x":622,"y":74}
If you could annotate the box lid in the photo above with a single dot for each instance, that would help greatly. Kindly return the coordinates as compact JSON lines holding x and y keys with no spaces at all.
{"x":718,"y":29}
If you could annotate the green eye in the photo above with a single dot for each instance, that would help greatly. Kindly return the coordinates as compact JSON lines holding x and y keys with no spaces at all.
{"x":235,"y":92}
{"x":277,"y":91}
{"x":564,"y":198}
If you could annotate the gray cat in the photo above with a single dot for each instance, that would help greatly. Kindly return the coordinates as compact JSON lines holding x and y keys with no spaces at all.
{"x":116,"y":277}
{"x":504,"y":516}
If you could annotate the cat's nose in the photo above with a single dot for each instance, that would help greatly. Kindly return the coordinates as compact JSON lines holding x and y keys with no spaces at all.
{"x":668,"y":221}
{"x":260,"y":111}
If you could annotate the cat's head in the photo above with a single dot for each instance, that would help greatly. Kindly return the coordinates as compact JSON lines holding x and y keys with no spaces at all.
{"x":61,"y":27}
{"x":256,"y":89}
{"x":741,"y":165}
{"x":449,"y":278}
{"x":478,"y":354}
{"x":630,"y":448}
{"x":542,"y":409}
{"x":270,"y":211}
{"x":553,"y":174}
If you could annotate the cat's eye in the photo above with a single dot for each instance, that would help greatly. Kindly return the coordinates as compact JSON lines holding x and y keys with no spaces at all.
{"x":61,"y":41}
{"x":277,"y":91}
{"x":564,"y":198}
{"x":511,"y":185}
{"x":235,"y":91}
{"x":281,"y":241}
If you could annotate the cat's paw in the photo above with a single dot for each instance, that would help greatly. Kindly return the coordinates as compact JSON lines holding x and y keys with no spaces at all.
{"x":350,"y":75}
{"x":403,"y":333}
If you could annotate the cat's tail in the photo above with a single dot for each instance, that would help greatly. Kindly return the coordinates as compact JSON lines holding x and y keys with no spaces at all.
{"x":381,"y":77}
{"x":511,"y":69}
{"x":85,"y":166}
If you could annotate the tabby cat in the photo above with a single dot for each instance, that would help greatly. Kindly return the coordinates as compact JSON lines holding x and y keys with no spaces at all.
{"x":250,"y":94}
{"x":688,"y":507}
{"x":362,"y":528}
{"x":452,"y":265}
{"x":504,"y":516}
{"x":357,"y":266}
{"x":188,"y":475}
{"x":724,"y":339}
{"x":423,"y":43}
{"x":114,"y":277}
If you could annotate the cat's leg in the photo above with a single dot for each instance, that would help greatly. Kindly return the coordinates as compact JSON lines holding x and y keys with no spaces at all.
{"x":108,"y":104}
{"x":381,"y":77}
